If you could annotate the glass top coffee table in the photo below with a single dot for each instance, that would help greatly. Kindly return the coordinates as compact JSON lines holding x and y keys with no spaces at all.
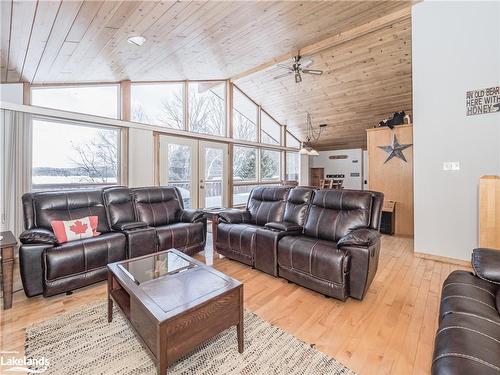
{"x":174,"y":302}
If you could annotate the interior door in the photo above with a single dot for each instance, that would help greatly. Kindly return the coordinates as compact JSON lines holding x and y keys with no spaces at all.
{"x":213,"y":174}
{"x":179,"y":167}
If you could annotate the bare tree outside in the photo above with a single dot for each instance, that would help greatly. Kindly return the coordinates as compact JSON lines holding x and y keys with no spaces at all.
{"x":97,"y":160}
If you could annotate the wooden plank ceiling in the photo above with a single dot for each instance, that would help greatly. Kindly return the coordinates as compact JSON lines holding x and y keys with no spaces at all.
{"x":86,"y":41}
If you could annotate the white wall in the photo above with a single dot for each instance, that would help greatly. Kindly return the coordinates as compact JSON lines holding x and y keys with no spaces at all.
{"x":11,"y":92}
{"x":140,"y":158}
{"x":353,"y":164}
{"x":456,"y":48}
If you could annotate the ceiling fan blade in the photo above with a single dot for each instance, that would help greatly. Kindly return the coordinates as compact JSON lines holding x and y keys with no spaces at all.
{"x":306,"y":62}
{"x":313,"y":71}
{"x":283,"y":75}
{"x":284,"y":66}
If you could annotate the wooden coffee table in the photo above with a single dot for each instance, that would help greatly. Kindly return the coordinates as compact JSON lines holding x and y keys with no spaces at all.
{"x":174,"y":302}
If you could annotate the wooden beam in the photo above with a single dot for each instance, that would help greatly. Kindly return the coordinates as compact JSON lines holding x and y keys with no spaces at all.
{"x":125,"y":98}
{"x":334,"y":40}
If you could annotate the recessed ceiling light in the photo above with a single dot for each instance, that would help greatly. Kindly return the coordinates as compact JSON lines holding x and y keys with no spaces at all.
{"x":136,"y":40}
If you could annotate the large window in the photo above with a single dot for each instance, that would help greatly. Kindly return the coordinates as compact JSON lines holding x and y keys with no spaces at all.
{"x":270,"y":162}
{"x":291,"y":141}
{"x":207,"y":107}
{"x":94,"y":100}
{"x":158,"y":104}
{"x":244,"y":164}
{"x":292,"y":166}
{"x":270,"y":130}
{"x":244,"y":117}
{"x":69,"y":155}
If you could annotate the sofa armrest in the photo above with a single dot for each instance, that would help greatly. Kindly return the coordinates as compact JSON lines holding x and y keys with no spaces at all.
{"x":235,"y":217}
{"x":284,"y":226}
{"x":130,"y":225}
{"x":486,"y":264}
{"x":38,"y":236}
{"x":359,"y":237}
{"x":189,"y":215}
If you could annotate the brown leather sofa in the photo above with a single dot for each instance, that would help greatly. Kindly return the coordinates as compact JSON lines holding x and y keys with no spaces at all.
{"x":127,"y":228}
{"x":325,"y":240}
{"x":468,"y":337}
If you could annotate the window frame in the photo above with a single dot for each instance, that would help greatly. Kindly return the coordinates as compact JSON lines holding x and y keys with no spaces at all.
{"x":75,"y":186}
{"x":117,"y":85}
{"x":187,"y":126}
{"x":280,"y":127}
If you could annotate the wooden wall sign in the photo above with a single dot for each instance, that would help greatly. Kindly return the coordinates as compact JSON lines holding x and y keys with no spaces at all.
{"x":483,"y":101}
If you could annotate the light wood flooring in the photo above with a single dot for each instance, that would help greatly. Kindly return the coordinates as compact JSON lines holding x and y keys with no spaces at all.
{"x":390,"y":331}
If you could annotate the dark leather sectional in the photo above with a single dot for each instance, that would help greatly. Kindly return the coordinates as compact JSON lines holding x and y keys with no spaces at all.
{"x":132,"y":222}
{"x":325,"y":240}
{"x":468,"y":337}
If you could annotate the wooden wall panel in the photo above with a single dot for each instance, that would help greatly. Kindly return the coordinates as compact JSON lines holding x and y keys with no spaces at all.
{"x":394,"y":178}
{"x":489,"y":212}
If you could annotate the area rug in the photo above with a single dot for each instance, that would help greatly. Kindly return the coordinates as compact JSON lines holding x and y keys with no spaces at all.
{"x":83,"y":342}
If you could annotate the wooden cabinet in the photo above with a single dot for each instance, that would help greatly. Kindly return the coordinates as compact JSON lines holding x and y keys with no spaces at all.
{"x":489,"y":212}
{"x":394,"y":178}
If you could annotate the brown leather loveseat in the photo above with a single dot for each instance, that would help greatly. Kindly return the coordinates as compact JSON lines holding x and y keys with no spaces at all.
{"x":325,"y":240}
{"x":127,"y":229}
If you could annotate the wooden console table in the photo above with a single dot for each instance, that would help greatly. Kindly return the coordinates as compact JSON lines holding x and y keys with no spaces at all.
{"x":7,"y":246}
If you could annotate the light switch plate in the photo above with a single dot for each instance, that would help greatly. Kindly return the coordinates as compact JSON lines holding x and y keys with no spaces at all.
{"x":451,"y":166}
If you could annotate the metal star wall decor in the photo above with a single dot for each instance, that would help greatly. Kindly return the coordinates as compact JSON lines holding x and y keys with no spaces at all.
{"x":395,"y":150}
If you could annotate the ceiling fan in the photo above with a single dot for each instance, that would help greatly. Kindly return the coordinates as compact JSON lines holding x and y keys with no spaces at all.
{"x":297,"y":68}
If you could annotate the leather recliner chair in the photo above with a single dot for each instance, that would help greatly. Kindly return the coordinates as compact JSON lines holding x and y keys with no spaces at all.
{"x":163,"y":209}
{"x":236,"y":229}
{"x":468,"y":337}
{"x":337,"y":253}
{"x":51,"y":268}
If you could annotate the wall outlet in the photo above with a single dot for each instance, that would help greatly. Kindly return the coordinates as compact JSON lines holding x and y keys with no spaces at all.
{"x":451,"y":166}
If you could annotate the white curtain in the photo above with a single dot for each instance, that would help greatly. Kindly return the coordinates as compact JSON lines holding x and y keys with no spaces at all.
{"x":16,"y":153}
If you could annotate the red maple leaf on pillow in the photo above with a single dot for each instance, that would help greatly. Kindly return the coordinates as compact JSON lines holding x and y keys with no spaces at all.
{"x":78,"y":227}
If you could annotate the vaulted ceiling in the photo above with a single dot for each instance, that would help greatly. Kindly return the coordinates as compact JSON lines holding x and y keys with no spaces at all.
{"x":366,"y":76}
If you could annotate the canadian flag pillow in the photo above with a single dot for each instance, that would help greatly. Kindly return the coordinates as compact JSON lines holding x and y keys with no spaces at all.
{"x":76,"y":229}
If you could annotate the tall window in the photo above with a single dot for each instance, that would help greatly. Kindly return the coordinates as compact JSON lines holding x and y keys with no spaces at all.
{"x":244,"y":117}
{"x":207,"y":107}
{"x":270,"y":162}
{"x":291,"y":141}
{"x":292,"y":166}
{"x":94,"y":100}
{"x":158,"y":104}
{"x":270,"y":130}
{"x":69,"y":155}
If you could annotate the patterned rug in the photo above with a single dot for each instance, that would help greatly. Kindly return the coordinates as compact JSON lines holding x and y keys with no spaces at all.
{"x":83,"y":342}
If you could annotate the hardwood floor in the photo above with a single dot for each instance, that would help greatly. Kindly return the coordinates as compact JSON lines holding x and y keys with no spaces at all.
{"x":390,"y":331}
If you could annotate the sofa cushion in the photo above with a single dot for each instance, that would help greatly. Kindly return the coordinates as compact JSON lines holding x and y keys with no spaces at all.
{"x":179,"y":235}
{"x":464,"y":293}
{"x":119,"y":203}
{"x":486,"y":264}
{"x":335,"y":213}
{"x":69,"y":205}
{"x":315,"y":257}
{"x":297,"y":204}
{"x":267,"y":204}
{"x":467,"y":344}
{"x":237,"y":238}
{"x":157,"y":205}
{"x":84,"y":255}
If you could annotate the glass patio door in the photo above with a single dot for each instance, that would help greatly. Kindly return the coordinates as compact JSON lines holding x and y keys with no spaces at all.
{"x":179,"y":167}
{"x":198,"y":168}
{"x":213,"y":182}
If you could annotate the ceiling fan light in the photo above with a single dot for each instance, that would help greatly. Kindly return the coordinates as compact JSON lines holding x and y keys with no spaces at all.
{"x":298,"y":78}
{"x":136,"y":40}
